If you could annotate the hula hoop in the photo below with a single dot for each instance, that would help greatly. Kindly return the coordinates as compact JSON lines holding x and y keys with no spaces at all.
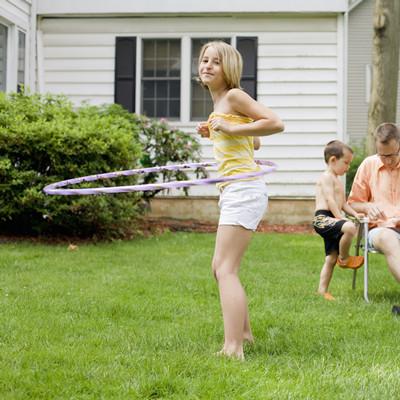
{"x":54,"y":188}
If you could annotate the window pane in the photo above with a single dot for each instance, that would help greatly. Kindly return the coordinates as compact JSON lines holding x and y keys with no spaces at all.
{"x":161,"y":92}
{"x":162,"y":48}
{"x":149,"y":90}
{"x":201,"y":105}
{"x":21,"y":60}
{"x":149,"y":49}
{"x":161,"y":108}
{"x":162,"y":67}
{"x":174,"y":67}
{"x":148,"y":108}
{"x":175,"y":89}
{"x":160,"y":78}
{"x":3,"y":57}
{"x":174,"y":48}
{"x":174,"y":109}
{"x":148,"y":67}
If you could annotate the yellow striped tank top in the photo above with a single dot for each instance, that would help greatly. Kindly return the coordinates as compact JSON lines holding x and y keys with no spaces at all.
{"x":234,"y":154}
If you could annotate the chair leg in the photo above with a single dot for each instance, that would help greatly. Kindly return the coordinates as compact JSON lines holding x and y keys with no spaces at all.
{"x":358,"y":246}
{"x":353,"y":286}
{"x":366,"y":262}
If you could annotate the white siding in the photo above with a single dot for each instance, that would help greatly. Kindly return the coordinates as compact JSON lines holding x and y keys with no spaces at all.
{"x":124,"y":7}
{"x":298,"y":77}
{"x":16,"y":12}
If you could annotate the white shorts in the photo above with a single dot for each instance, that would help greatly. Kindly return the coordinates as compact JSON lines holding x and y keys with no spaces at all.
{"x":371,"y":236}
{"x":243,"y":203}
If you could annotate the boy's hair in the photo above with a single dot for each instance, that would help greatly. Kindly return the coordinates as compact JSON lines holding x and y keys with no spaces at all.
{"x":231,"y":62}
{"x":386,"y":132}
{"x":335,"y":148}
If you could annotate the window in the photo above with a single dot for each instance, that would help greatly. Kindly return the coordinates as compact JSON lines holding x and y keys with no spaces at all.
{"x":201,"y":102}
{"x":21,"y":61}
{"x":165,"y":76}
{"x":161,"y":74}
{"x":3,"y":57}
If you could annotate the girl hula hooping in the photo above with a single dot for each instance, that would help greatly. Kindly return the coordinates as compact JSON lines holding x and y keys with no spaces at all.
{"x":234,"y":126}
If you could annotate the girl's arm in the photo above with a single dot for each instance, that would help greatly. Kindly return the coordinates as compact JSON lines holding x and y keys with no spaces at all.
{"x":266,"y":122}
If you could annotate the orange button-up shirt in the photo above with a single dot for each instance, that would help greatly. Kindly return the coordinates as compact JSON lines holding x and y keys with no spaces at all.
{"x":377,"y":184}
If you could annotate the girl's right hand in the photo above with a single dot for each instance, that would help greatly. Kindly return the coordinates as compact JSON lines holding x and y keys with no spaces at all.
{"x":202,"y":129}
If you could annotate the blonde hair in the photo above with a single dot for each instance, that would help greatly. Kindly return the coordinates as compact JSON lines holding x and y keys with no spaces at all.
{"x":231,"y":62}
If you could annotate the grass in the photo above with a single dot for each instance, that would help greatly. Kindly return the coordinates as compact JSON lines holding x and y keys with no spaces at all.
{"x":141,"y":320}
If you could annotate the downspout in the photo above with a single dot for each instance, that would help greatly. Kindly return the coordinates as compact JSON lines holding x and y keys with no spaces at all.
{"x":39,"y":58}
{"x":345,"y":72}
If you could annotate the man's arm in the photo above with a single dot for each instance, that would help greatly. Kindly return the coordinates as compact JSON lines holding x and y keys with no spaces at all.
{"x":360,"y":195}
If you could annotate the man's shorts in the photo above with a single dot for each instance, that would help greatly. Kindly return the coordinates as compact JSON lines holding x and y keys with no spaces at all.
{"x":372,"y":234}
{"x":243,"y":203}
{"x":327,"y":226}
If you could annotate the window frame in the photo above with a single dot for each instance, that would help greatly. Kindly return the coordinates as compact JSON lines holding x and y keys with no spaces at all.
{"x":25,"y":56}
{"x":6,"y":56}
{"x":13,"y":29}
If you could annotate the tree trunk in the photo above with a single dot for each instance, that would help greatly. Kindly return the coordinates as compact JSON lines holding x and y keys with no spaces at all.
{"x":385,"y":67}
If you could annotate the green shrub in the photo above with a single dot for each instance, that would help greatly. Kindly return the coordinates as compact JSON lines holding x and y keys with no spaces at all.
{"x":358,"y":156}
{"x":161,"y":145}
{"x":43,"y":139}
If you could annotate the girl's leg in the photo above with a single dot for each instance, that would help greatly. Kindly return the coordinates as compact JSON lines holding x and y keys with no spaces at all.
{"x":247,"y":334}
{"x":231,"y":243}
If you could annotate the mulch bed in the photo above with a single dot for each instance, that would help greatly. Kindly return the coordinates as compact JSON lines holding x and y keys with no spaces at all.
{"x":156,"y":226}
{"x":207,"y":227}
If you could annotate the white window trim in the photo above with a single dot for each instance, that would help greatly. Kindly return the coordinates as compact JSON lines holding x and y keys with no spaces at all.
{"x":12,"y":54}
{"x":26,"y":66}
{"x":185,"y":39}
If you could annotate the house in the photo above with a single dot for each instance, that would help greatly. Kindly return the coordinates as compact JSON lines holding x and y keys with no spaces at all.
{"x":300,"y":60}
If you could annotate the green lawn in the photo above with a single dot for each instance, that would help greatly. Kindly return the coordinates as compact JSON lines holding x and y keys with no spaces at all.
{"x":141,"y":320}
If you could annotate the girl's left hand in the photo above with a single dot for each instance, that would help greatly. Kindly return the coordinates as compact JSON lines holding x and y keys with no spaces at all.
{"x":219,"y":124}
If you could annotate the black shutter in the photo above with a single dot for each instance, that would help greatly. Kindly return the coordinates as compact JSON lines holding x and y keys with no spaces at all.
{"x":247,"y":47}
{"x":125,"y":72}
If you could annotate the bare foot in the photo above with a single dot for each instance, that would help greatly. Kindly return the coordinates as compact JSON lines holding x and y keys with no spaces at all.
{"x":231,"y":354}
{"x":326,"y":296}
{"x":248,"y":337}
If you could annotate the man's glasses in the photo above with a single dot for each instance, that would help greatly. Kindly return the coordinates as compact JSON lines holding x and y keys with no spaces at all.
{"x":390,"y":156}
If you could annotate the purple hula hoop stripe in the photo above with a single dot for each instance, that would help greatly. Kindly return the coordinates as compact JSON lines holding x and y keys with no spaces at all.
{"x":54,"y":188}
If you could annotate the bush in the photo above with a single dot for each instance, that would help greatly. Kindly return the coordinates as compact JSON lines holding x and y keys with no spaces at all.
{"x":358,"y":156}
{"x":44,"y":140}
{"x":161,"y":145}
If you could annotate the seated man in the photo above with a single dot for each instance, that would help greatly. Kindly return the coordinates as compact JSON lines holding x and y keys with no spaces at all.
{"x":376,"y":193}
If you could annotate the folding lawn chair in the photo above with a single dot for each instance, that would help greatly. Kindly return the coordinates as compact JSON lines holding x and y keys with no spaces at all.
{"x":362,"y":243}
